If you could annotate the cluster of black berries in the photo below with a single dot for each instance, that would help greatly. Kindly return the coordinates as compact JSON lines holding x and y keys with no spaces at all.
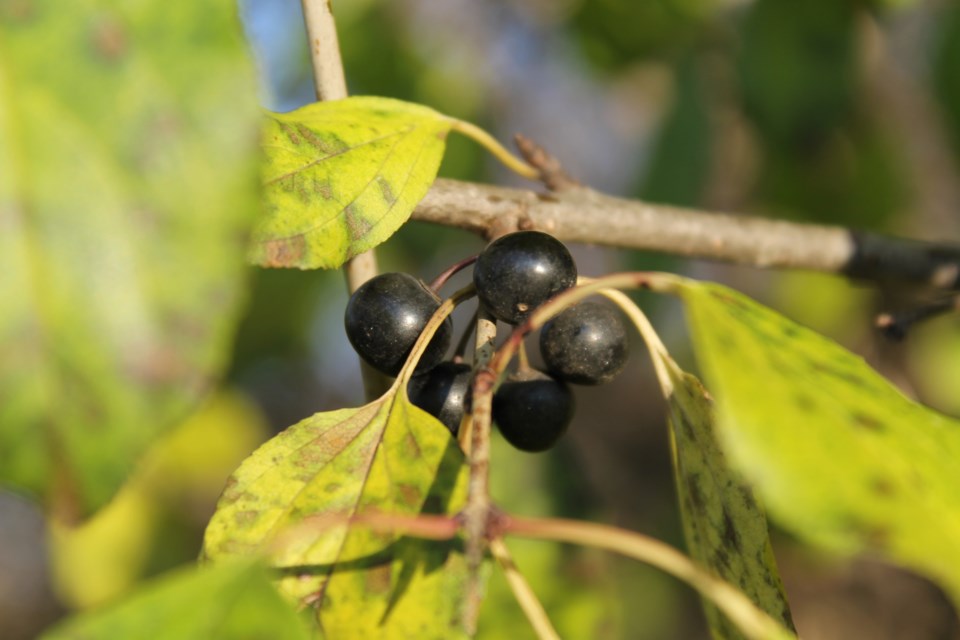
{"x":584,"y":344}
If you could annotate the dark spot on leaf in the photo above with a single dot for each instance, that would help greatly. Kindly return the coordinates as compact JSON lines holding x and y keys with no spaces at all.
{"x":230,"y":490}
{"x":245,"y":518}
{"x":442,"y":134}
{"x":378,"y":579}
{"x":883,"y":487}
{"x":826,"y":369}
{"x":720,"y":558}
{"x":868,"y":422}
{"x":731,"y":538}
{"x":332,"y":487}
{"x":410,"y":494}
{"x":693,"y":488}
{"x":324,"y":189}
{"x":289,"y":132}
{"x":315,"y":141}
{"x":357,"y":225}
{"x":804,"y":403}
{"x":284,"y":252}
{"x":386,"y":191}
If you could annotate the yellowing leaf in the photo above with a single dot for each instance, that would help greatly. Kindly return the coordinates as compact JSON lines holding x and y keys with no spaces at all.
{"x":724,"y":526}
{"x":128,"y":180}
{"x":838,"y":454}
{"x":341,"y":176}
{"x":292,"y":498}
{"x":234,"y":601}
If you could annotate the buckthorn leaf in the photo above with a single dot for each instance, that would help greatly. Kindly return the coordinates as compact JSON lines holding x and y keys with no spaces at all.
{"x":341,"y":177}
{"x":128,"y":185}
{"x":837,"y":453}
{"x":233,"y":601}
{"x":293,"y":498}
{"x":724,"y":526}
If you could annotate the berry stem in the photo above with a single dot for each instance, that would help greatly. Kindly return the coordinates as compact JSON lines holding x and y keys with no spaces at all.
{"x":449,"y":272}
{"x":445,"y":309}
{"x":523,"y":363}
{"x":658,"y":352}
{"x":752,"y":621}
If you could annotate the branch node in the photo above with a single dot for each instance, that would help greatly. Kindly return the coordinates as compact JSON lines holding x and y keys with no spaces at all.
{"x":551,"y":171}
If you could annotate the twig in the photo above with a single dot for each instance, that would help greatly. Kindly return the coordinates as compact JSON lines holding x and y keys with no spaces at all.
{"x":585,"y":215}
{"x":895,"y":325}
{"x":477,"y":512}
{"x":330,"y":83}
{"x":525,"y":596}
{"x":328,"y":76}
{"x":551,"y":171}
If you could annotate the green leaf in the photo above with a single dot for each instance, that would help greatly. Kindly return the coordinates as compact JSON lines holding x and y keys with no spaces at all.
{"x":127,"y":185}
{"x":294,"y":494}
{"x":341,"y":177}
{"x":838,"y":455}
{"x":724,"y":526}
{"x":233,"y":600}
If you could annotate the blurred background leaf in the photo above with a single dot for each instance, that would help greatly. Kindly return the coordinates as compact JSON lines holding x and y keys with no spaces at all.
{"x":127,"y":186}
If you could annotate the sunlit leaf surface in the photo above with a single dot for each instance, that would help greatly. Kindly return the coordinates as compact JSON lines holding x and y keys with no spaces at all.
{"x":233,"y":601}
{"x":292,"y":498}
{"x":340,"y":177}
{"x":128,"y":182}
{"x":838,"y":455}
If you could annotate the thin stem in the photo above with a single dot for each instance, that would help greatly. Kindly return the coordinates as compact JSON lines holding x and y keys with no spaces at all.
{"x":423,"y":341}
{"x":525,"y":596}
{"x":523,"y":363}
{"x":663,"y":282}
{"x":449,"y":272}
{"x":658,"y":352}
{"x":492,"y":145}
{"x":752,"y":621}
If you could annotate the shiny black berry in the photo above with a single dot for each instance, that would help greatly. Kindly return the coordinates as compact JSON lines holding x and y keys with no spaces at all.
{"x":386,"y":315}
{"x":518,"y":272}
{"x":585,"y":344}
{"x":532,"y":410}
{"x":443,"y":392}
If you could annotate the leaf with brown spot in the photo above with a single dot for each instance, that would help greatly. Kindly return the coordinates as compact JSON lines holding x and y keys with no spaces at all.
{"x":292,"y":498}
{"x":838,"y":454}
{"x":340,"y":177}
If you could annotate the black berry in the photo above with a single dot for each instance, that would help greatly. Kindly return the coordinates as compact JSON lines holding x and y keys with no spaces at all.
{"x":518,"y":272}
{"x":532,"y":410}
{"x":443,"y":392}
{"x":386,"y":315}
{"x":585,"y":344}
